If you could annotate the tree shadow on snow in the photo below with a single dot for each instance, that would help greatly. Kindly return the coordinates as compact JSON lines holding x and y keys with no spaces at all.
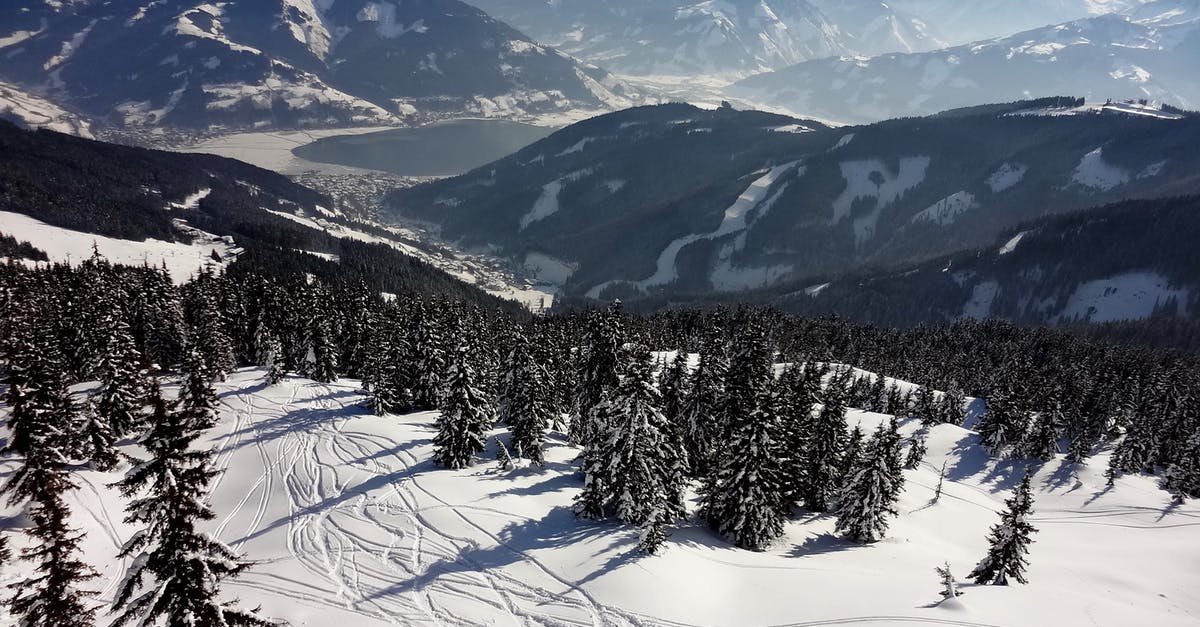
{"x":301,"y":420}
{"x":1066,"y":474}
{"x":822,"y":543}
{"x":559,"y":529}
{"x":394,"y":451}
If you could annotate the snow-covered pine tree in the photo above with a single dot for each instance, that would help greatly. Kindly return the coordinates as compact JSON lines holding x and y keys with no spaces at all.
{"x":465,"y":415}
{"x":1182,"y":478}
{"x":522,"y":405}
{"x":949,"y":586}
{"x":167,"y":496}
{"x":793,"y":404}
{"x":742,"y":497}
{"x":324,"y":353}
{"x":878,"y":395}
{"x":98,"y":438}
{"x":643,"y":477}
{"x":268,"y":353}
{"x":925,"y":406}
{"x":40,"y":418}
{"x":937,"y":492}
{"x":869,"y":495}
{"x":428,"y":345}
{"x":1041,"y":443}
{"x":598,"y":371}
{"x":852,"y":455}
{"x":197,"y":403}
{"x":1009,"y":541}
{"x":895,"y":401}
{"x":826,"y":448}
{"x":209,"y":333}
{"x":916,"y":451}
{"x":700,"y":408}
{"x":952,"y":408}
{"x":674,"y":384}
{"x":121,"y":397}
{"x":1003,"y":425}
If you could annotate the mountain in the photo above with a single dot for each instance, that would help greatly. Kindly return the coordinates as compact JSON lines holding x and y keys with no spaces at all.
{"x":31,"y":111}
{"x":290,"y":63}
{"x":67,"y":196}
{"x":1152,"y":53}
{"x":675,"y":199}
{"x":682,"y":37}
{"x":964,"y":21}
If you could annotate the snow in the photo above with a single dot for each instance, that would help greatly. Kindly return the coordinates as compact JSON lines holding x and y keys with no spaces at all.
{"x":791,"y":128}
{"x":843,"y":141}
{"x":859,"y":177}
{"x":182,"y":259}
{"x":734,"y":220}
{"x":348,"y":523}
{"x":815,"y":290}
{"x":1130,"y":296}
{"x":185,"y":27}
{"x":1095,"y":173}
{"x":545,"y":206}
{"x":192,"y":201}
{"x":1005,"y":177}
{"x":32,"y":111}
{"x":1011,"y":244}
{"x":945,"y":211}
{"x":69,"y":47}
{"x":577,"y":146}
{"x":1152,"y":170}
{"x":383,"y":14}
{"x":982,"y":297}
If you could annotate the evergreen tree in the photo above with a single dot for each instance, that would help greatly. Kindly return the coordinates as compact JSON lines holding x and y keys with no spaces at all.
{"x":826,"y":446}
{"x":742,"y":496}
{"x":98,"y":439}
{"x":522,"y":405}
{"x":852,"y":456}
{"x":674,"y":385}
{"x":1042,"y":441}
{"x":429,"y":361}
{"x":268,"y":353}
{"x":1182,"y":478}
{"x":51,"y":596}
{"x":122,"y":385}
{"x":793,"y":403}
{"x":185,"y":567}
{"x":323,"y":356}
{"x":464,"y":418}
{"x":952,"y":409}
{"x":870,"y":494}
{"x":949,"y":586}
{"x":925,"y":406}
{"x":197,"y":404}
{"x":916,"y":451}
{"x":703,"y":428}
{"x":1009,"y":541}
{"x":598,"y":371}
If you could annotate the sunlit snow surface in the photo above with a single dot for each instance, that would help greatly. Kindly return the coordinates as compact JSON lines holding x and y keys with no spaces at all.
{"x":350,"y":524}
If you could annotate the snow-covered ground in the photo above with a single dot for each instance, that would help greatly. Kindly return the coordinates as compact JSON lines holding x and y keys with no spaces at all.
{"x":1129,"y":296}
{"x":32,"y":111}
{"x":182,"y":259}
{"x":349,"y":523}
{"x":872,"y":179}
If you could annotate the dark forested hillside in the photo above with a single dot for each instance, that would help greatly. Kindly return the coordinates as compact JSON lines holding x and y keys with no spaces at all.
{"x":673,"y":199}
{"x":134,"y":193}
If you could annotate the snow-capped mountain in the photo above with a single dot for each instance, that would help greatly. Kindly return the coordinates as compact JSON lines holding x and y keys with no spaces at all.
{"x":874,"y":27}
{"x":963,"y":21}
{"x":677,"y":36}
{"x":241,"y":63}
{"x":30,"y":111}
{"x":1152,"y":53}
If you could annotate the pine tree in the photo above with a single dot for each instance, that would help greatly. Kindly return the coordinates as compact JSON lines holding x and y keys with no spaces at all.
{"x":1009,"y":541}
{"x":268,"y":353}
{"x":937,"y":492}
{"x":323,"y":354}
{"x":949,"y":586}
{"x":870,"y":494}
{"x":742,"y":496}
{"x":464,"y":418}
{"x":852,"y":455}
{"x":197,"y":404}
{"x":522,"y":405}
{"x":98,"y":439}
{"x":925,"y":406}
{"x":1182,"y":479}
{"x":51,"y":597}
{"x":674,"y":385}
{"x":429,"y":364}
{"x":122,"y":385}
{"x":168,"y":494}
{"x":793,"y":403}
{"x":952,"y":408}
{"x":1042,"y":441}
{"x":916,"y":451}
{"x":825,"y":451}
{"x":703,"y":428}
{"x":598,"y":371}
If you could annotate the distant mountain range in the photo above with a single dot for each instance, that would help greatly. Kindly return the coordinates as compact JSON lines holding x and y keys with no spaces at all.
{"x":289,"y":63}
{"x":675,"y":200}
{"x":1152,"y":52}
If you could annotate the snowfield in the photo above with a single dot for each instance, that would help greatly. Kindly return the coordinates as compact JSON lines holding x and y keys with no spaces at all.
{"x":349,"y":523}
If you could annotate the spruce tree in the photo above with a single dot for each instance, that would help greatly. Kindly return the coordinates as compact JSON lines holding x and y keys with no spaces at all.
{"x":51,"y":596}
{"x":675,"y":386}
{"x":869,"y":495}
{"x":464,"y":418}
{"x":703,"y":427}
{"x":428,"y":346}
{"x":853,"y":453}
{"x":98,"y":439}
{"x":598,"y":371}
{"x":1182,"y":478}
{"x":825,"y":451}
{"x":742,"y":498}
{"x":197,"y":404}
{"x":952,"y":408}
{"x":1009,"y":541}
{"x":522,"y":404}
{"x":925,"y":406}
{"x":916,"y":451}
{"x":1041,"y":443}
{"x":323,"y":353}
{"x":121,"y":397}
{"x":949,"y":586}
{"x":177,"y":569}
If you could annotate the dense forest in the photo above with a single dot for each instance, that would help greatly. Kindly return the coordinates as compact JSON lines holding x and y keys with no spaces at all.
{"x":758,"y":426}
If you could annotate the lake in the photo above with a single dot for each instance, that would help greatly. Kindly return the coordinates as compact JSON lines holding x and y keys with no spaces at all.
{"x":442,"y":149}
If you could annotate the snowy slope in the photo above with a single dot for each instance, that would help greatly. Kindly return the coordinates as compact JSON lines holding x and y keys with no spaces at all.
{"x":31,"y":111}
{"x":351,"y":524}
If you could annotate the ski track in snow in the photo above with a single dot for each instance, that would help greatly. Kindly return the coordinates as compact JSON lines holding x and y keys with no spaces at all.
{"x":377,"y":539}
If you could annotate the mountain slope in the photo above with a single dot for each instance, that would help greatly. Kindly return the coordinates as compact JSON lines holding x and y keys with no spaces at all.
{"x":289,"y":63}
{"x":972,"y":20}
{"x":1153,"y":53}
{"x":743,"y":203}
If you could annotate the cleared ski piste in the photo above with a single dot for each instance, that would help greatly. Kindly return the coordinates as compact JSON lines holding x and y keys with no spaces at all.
{"x":349,"y":523}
